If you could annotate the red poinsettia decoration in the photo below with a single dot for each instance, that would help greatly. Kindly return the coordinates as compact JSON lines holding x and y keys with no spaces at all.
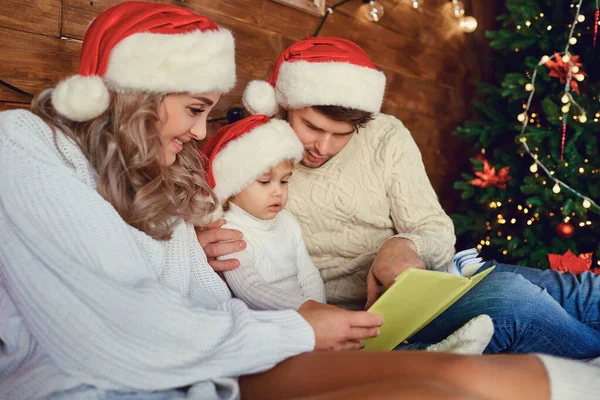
{"x":488,"y":177}
{"x":569,"y":262}
{"x":560,"y":69}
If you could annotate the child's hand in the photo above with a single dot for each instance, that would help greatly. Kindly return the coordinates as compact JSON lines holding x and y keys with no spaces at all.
{"x":337,"y":329}
{"x":217,"y":241}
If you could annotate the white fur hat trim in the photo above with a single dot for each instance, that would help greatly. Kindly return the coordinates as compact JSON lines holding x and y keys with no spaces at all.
{"x":244,"y":159}
{"x":81,"y":98}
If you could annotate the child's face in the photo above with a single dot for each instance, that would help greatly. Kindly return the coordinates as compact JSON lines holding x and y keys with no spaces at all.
{"x":268,"y":195}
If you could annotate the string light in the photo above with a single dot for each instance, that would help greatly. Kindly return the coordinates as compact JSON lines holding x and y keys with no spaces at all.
{"x":587,"y":203}
{"x":556,"y":188}
{"x":373,"y":11}
{"x":416,"y":3}
{"x":533,"y":168}
{"x":468,"y":24}
{"x":566,"y":57}
{"x":458,"y":8}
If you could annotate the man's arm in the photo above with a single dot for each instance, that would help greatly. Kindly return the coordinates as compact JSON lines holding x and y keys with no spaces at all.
{"x":425,"y":234}
{"x":414,"y":206}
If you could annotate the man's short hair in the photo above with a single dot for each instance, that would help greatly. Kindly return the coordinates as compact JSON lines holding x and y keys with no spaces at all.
{"x":357,"y":118}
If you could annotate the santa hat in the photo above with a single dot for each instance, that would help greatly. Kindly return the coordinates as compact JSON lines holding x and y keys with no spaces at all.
{"x":319,"y":71}
{"x":241,"y":152}
{"x":147,"y":47}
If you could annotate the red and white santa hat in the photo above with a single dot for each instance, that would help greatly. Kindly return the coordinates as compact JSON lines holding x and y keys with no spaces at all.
{"x":241,"y":152}
{"x":148,"y":47}
{"x":319,"y":71}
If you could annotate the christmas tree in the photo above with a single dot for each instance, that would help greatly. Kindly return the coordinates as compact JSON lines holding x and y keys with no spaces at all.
{"x":536,"y":171}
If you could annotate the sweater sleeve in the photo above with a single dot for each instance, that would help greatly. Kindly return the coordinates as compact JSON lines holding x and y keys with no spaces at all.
{"x":61,"y":245}
{"x":308,"y":275}
{"x":247,"y":283}
{"x":414,"y":206}
{"x":572,"y":379}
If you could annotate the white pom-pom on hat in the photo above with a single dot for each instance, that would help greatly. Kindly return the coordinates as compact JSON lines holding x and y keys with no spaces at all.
{"x":81,"y":98}
{"x":259,"y":98}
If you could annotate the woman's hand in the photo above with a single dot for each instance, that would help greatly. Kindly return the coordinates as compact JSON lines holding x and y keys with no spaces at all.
{"x":217,"y":241}
{"x":337,"y":329}
{"x":395,"y":256}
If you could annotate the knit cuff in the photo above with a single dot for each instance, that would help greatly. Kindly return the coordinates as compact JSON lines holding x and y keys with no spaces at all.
{"x":296,"y":335}
{"x":571,"y":379}
{"x":416,"y":239}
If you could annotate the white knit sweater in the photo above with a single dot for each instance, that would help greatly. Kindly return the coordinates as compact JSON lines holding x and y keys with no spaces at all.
{"x":87,"y":299}
{"x":275,"y":271}
{"x":376,"y":188}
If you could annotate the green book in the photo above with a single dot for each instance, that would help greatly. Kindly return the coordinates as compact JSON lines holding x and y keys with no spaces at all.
{"x":415,"y":299}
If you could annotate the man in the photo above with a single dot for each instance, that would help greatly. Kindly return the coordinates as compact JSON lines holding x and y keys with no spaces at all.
{"x":368,"y":211}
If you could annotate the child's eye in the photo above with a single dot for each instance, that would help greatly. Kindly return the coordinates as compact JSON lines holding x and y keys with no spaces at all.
{"x":263,"y":182}
{"x":195,"y":111}
{"x":285,"y":182}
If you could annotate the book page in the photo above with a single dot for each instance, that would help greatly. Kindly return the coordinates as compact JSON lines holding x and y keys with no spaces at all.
{"x":415,"y":299}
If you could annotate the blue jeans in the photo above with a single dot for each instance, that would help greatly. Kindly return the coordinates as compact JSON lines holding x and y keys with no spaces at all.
{"x":541,"y":311}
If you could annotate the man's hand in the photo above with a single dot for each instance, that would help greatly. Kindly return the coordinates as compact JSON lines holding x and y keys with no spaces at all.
{"x":395,"y":256}
{"x":217,"y":241}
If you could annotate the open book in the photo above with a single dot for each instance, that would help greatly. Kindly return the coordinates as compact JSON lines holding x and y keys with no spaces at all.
{"x":415,"y":299}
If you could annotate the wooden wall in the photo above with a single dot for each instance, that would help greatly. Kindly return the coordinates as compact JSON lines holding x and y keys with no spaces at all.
{"x":430,"y":64}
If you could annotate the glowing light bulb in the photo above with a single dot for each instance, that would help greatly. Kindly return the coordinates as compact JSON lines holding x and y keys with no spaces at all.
{"x":544,"y":59}
{"x":458,"y":8}
{"x":522,"y":117}
{"x":566,"y":58}
{"x":575,"y":69}
{"x":373,"y":11}
{"x":572,"y":40}
{"x":586,"y":203}
{"x":581,"y":18}
{"x":565,"y":98}
{"x":582,"y":118}
{"x":468,"y":24}
{"x":556,"y":188}
{"x":534,"y":168}
{"x":549,"y":27}
{"x":529,"y":87}
{"x":416,"y":3}
{"x":579,"y":77}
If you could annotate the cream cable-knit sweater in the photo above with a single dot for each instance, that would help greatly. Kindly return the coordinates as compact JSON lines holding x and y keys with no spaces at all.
{"x":86,"y":299}
{"x":275,"y":271}
{"x":376,"y":188}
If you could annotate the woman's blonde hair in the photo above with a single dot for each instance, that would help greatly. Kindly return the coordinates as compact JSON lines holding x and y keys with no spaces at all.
{"x":123,"y":147}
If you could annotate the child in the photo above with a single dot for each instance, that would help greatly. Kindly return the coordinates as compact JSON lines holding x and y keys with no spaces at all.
{"x":250,"y":165}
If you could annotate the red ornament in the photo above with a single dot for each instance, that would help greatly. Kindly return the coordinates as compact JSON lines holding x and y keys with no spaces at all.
{"x":569,"y":262}
{"x":565,"y":230}
{"x":596,"y":17}
{"x":488,"y":176}
{"x":560,"y":69}
{"x":562,"y":140}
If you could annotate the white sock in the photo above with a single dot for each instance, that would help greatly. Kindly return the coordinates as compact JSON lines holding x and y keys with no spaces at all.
{"x":472,"y":338}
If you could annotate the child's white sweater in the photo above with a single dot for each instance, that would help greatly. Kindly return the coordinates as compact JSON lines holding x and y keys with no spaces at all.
{"x":276,"y":272}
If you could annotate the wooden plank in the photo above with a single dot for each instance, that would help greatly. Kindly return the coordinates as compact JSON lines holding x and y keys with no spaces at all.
{"x":34,"y":62}
{"x":35,"y":16}
{"x":5,"y":105}
{"x":432,"y":25}
{"x":388,"y":50}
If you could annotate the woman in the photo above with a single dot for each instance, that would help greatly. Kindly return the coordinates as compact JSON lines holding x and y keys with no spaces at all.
{"x":105,"y":291}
